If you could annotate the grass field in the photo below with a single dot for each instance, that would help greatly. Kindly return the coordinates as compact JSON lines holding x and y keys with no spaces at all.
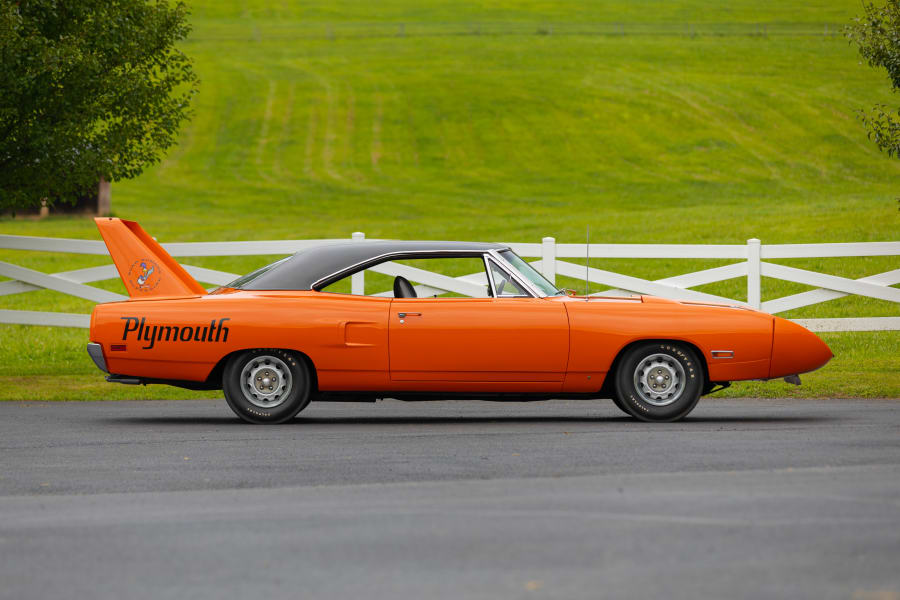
{"x":679,"y":122}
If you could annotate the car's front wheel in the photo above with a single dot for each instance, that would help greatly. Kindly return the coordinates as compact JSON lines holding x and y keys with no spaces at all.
{"x":659,"y":381}
{"x":266,"y":386}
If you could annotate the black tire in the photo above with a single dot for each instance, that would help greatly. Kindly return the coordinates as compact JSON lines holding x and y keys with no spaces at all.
{"x":286,"y":373}
{"x":671,"y":366}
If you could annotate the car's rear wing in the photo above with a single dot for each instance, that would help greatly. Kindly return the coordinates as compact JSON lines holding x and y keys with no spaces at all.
{"x":144,"y":266}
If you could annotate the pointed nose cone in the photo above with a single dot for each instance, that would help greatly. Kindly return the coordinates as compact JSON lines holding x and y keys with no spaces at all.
{"x":796,"y":350}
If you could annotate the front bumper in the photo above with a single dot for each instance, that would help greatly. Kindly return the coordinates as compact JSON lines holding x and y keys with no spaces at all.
{"x":95,"y":351}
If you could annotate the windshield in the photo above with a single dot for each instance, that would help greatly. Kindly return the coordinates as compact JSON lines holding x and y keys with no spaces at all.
{"x":529,"y":273}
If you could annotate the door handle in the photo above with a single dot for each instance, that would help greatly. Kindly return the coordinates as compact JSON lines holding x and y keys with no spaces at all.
{"x":403,"y":315}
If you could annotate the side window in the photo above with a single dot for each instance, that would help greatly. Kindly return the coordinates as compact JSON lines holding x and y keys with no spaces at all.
{"x":428,"y":278}
{"x":503,"y":284}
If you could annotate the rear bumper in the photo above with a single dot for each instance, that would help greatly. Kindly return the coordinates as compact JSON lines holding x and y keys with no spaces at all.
{"x":95,"y":351}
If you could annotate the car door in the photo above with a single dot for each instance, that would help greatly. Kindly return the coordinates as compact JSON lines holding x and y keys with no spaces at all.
{"x":479,"y":341}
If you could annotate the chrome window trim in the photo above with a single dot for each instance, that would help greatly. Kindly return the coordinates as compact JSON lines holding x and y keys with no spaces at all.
{"x":537,"y":291}
{"x":512,"y":273}
{"x":506,"y":266}
{"x":492,"y":289}
{"x":492,"y":255}
{"x":377,"y":260}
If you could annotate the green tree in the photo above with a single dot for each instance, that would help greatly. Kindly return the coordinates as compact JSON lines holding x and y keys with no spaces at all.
{"x":877,"y":33}
{"x":88,"y":89}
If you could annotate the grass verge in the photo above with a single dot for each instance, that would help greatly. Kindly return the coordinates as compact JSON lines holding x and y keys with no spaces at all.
{"x":40,"y":363}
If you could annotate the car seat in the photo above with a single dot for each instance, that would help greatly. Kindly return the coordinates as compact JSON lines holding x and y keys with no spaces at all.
{"x":403,"y":288}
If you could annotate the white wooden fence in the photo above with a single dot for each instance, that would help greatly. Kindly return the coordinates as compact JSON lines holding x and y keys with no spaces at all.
{"x":550,"y":262}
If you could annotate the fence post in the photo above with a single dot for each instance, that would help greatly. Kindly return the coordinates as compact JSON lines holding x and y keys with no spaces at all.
{"x":753,"y":277}
{"x":358,"y":280}
{"x":548,"y":258}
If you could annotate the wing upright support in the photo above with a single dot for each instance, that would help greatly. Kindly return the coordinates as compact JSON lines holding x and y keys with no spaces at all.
{"x":147,"y":270}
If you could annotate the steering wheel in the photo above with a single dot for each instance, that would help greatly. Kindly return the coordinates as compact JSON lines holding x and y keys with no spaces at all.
{"x":500,"y":287}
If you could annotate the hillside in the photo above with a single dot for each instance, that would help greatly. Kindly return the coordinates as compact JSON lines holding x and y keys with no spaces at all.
{"x":521,"y":120}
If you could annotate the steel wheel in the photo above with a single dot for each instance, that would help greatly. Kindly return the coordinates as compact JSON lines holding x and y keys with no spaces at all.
{"x":266,"y":381}
{"x":659,"y":379}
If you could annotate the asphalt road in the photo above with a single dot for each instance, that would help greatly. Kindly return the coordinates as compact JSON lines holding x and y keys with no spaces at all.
{"x":563,"y":499}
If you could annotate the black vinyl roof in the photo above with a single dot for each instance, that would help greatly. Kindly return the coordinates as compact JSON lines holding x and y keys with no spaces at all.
{"x":317,"y":267}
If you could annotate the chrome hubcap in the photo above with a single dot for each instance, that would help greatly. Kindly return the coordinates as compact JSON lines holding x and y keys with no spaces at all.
{"x":266,"y":381}
{"x":659,"y":379}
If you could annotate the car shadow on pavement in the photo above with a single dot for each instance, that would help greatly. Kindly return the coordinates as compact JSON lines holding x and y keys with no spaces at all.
{"x":426,"y":420}
{"x":472,"y":420}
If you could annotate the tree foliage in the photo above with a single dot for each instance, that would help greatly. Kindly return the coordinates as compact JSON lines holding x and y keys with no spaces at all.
{"x":877,"y":33}
{"x":88,"y":88}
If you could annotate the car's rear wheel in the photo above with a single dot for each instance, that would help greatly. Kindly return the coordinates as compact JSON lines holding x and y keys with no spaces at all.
{"x":266,"y":386}
{"x":659,"y":381}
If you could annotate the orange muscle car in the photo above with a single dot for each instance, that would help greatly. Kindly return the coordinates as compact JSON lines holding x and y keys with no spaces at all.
{"x":281,"y":336}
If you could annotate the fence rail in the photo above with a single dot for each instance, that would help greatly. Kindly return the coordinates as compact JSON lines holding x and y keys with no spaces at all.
{"x":548,"y":253}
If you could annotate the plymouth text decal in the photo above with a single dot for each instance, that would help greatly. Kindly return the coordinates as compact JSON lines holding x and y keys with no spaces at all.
{"x":214,"y":332}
